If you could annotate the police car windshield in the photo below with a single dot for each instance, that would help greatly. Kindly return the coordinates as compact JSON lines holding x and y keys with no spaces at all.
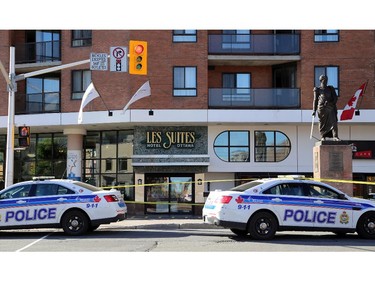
{"x":87,"y":186}
{"x":246,"y":186}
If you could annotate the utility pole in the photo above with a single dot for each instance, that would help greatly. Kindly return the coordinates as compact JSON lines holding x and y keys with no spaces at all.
{"x":12,"y":88}
{"x":11,"y":80}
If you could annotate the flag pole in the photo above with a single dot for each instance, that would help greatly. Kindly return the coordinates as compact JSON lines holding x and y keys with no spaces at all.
{"x":359,"y":105}
{"x":110,"y":113}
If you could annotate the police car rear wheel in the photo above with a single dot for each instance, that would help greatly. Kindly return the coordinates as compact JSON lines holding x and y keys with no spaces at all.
{"x":262,"y":226}
{"x":75,"y":223}
{"x":366,"y":226}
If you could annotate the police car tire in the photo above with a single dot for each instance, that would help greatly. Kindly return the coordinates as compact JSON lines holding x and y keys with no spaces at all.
{"x":363,"y":229}
{"x":262,"y":226}
{"x":75,"y":223}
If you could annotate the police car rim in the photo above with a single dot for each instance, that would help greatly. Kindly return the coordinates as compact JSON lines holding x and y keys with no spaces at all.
{"x":263,"y":226}
{"x":370,"y":226}
{"x":75,"y":223}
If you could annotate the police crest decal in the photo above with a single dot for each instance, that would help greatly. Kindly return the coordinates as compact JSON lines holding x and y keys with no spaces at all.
{"x":344,"y":218}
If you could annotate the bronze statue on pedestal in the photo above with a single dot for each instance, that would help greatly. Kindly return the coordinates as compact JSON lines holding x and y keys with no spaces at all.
{"x":325,"y":100}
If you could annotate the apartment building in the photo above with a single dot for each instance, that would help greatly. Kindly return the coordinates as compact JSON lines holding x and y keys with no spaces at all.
{"x":225,"y":106}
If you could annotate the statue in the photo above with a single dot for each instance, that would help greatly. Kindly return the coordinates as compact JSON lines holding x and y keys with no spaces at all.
{"x":325,"y":100}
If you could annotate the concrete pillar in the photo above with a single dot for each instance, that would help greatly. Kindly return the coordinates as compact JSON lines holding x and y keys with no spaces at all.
{"x":333,"y":161}
{"x":74,"y":152}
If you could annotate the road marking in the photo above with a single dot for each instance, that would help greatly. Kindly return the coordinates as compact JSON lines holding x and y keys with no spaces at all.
{"x":36,"y":241}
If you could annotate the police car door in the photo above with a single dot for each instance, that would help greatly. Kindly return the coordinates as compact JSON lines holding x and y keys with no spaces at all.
{"x":292,"y":207}
{"x":49,"y":202}
{"x":14,"y":205}
{"x":329,"y":211}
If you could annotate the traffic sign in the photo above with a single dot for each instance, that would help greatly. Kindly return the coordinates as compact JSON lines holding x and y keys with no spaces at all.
{"x":118,"y":59}
{"x":98,"y":61}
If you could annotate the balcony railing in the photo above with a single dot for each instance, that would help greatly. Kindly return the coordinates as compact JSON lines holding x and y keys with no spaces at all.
{"x":272,"y":98}
{"x":37,"y":52}
{"x":268,"y":44}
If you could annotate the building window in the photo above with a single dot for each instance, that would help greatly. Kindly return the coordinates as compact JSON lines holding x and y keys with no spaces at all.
{"x":123,"y":164}
{"x":236,"y":39}
{"x":81,"y":38}
{"x":271,"y":146}
{"x":108,"y":165}
{"x":184,"y":35}
{"x":43,"y":94}
{"x":81,"y":79}
{"x":233,"y":146}
{"x":332,"y":72}
{"x":236,"y":86}
{"x":328,"y":35}
{"x":184,"y":81}
{"x":41,"y":46}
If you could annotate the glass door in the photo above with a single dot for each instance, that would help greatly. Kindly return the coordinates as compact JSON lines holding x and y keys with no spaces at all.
{"x":181,"y":191}
{"x":157,"y":190}
{"x":169,"y":194}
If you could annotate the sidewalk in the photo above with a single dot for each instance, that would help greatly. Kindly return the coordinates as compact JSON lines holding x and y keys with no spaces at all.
{"x":161,"y":222}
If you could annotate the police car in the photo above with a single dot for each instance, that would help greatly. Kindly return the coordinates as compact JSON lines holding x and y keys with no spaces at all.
{"x":263,"y":207}
{"x":74,"y":206}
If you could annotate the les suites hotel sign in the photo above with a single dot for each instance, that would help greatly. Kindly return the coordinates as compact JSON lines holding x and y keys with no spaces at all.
{"x":170,"y":138}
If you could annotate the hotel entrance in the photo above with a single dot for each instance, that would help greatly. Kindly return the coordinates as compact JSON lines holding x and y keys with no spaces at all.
{"x":169,"y":194}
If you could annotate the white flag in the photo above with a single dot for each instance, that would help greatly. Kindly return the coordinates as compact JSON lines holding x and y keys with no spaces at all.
{"x":143,"y":91}
{"x":90,"y":94}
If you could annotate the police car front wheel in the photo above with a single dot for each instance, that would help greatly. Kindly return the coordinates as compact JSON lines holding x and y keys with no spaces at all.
{"x":75,"y":222}
{"x":262,"y":226}
{"x":366,"y":225}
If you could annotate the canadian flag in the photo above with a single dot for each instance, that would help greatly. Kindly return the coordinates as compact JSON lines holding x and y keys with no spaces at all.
{"x":348,"y":111}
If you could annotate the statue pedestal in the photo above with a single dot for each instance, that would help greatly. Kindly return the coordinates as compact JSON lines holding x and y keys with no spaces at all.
{"x":333,"y":161}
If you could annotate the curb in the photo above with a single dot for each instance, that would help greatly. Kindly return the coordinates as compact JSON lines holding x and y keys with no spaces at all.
{"x":166,"y":226}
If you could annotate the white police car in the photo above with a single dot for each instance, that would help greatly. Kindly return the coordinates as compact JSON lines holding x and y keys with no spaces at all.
{"x":264,"y":206}
{"x":74,"y":206}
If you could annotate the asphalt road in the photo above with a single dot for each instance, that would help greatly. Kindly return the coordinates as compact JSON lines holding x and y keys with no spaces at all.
{"x":170,"y":251}
{"x":171,"y":239}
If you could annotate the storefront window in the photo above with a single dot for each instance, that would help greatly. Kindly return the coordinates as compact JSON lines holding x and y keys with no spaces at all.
{"x":46,"y":156}
{"x":107,"y":160}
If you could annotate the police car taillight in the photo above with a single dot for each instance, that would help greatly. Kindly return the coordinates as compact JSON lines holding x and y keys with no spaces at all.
{"x":110,"y":198}
{"x":225,"y":199}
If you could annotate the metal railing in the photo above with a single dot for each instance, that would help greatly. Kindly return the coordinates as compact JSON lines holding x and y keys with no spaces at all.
{"x":267,"y":44}
{"x":37,"y":52}
{"x":278,"y":98}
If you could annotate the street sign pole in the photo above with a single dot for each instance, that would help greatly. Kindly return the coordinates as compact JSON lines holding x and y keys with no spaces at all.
{"x":10,"y":130}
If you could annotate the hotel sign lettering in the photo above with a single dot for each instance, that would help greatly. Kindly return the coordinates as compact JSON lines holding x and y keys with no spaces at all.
{"x":167,"y":139}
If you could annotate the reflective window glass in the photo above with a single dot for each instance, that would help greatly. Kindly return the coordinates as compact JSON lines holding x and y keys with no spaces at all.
{"x":271,"y":146}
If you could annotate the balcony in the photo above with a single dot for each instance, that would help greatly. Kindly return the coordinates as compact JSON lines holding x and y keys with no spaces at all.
{"x":272,"y":98}
{"x":38,"y":54}
{"x":268,"y":44}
